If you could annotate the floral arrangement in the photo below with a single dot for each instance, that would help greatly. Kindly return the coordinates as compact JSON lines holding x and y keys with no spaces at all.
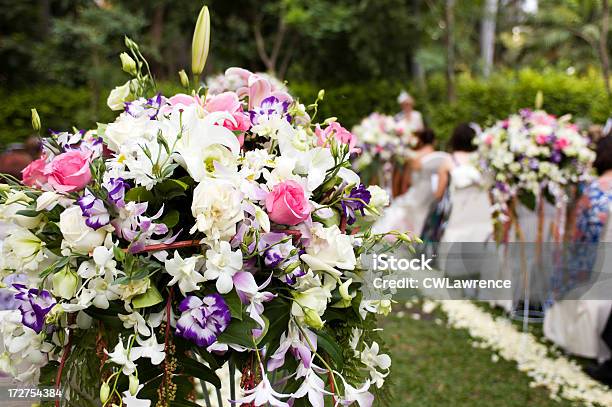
{"x":383,"y":142}
{"x":193,"y":232}
{"x":237,"y":78}
{"x":531,"y":155}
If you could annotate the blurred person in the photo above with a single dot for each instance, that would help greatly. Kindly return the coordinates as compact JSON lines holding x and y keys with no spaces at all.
{"x":409,"y":210}
{"x":583,"y":327}
{"x":18,"y":155}
{"x":470,"y":219}
{"x":412,"y":118}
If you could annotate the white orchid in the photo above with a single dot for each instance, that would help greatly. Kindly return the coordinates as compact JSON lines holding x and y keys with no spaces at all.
{"x":221,"y":264}
{"x":377,"y":364}
{"x":121,"y":356}
{"x":149,"y":348}
{"x":185,"y":272}
{"x":264,"y":394}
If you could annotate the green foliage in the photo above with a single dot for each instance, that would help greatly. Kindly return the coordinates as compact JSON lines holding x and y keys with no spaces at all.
{"x":479,"y":100}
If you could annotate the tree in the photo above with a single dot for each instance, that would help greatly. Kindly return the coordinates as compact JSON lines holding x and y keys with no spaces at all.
{"x":449,"y":40}
{"x":487,"y":36}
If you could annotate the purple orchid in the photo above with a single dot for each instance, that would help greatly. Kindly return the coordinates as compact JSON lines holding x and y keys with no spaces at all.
{"x":356,"y":200}
{"x":116,"y":188}
{"x":270,"y":106}
{"x":149,"y":107}
{"x":281,"y":254}
{"x":295,"y":342}
{"x":203,"y":319}
{"x":250,"y":293}
{"x":34,"y":305}
{"x":138,"y":229}
{"x":93,"y":210}
{"x":556,"y":157}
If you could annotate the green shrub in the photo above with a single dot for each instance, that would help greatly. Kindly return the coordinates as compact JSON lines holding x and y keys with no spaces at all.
{"x":478,"y":100}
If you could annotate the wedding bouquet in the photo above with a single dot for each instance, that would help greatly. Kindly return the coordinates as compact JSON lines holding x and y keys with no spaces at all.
{"x":383,"y":142}
{"x":193,"y":232}
{"x":531,"y":155}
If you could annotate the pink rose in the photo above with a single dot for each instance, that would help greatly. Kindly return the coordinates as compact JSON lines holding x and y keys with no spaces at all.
{"x":34,"y":174}
{"x":541,"y":139}
{"x":339,"y":133}
{"x":562,"y":143}
{"x":69,"y":171}
{"x":287,"y":204}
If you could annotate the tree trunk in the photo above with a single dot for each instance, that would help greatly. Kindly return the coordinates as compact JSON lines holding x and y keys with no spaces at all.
{"x":449,"y":14}
{"x":157,"y":25}
{"x":45,"y":18}
{"x":603,"y":45}
{"x":487,"y":36}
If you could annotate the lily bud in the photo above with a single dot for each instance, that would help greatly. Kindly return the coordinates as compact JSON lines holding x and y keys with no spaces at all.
{"x":127,"y":63}
{"x":104,"y":392}
{"x":330,"y":120}
{"x":130,"y":44}
{"x":312,"y":318}
{"x":35,"y":120}
{"x":133,"y":385}
{"x":184,"y":78}
{"x":321,"y":94}
{"x":539,"y":100}
{"x":201,"y":42}
{"x":65,"y":283}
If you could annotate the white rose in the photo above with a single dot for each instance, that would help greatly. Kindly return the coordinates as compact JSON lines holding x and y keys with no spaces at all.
{"x":78,"y":236}
{"x":119,"y":96}
{"x":330,"y":249}
{"x":125,"y":129}
{"x":217,"y":208}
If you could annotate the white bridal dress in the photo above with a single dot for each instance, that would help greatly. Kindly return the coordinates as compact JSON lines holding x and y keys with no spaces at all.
{"x":407,"y":212}
{"x":469,"y":222}
{"x":470,"y":217}
{"x":576,"y":325}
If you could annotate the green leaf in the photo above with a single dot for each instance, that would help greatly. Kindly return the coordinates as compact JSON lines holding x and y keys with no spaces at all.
{"x":55,"y":266}
{"x":171,"y":219}
{"x":139,"y":194}
{"x":148,"y":299}
{"x":192,"y":367}
{"x":277,"y":313}
{"x":234,"y":304}
{"x":139,"y":275}
{"x":331,"y":347}
{"x":528,"y":199}
{"x":30,"y":213}
{"x":239,"y":332}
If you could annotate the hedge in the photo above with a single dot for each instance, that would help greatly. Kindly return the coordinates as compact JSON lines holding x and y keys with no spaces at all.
{"x":478,"y":100}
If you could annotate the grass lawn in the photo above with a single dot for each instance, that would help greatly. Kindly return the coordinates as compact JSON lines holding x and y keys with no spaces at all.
{"x":434,"y":365}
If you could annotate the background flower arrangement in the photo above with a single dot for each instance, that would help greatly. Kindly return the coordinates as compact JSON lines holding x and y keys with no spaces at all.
{"x":533,"y":155}
{"x":191,"y":232}
{"x":383,"y":142}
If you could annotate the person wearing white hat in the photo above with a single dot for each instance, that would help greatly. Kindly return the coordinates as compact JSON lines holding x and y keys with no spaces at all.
{"x":413,"y":118}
